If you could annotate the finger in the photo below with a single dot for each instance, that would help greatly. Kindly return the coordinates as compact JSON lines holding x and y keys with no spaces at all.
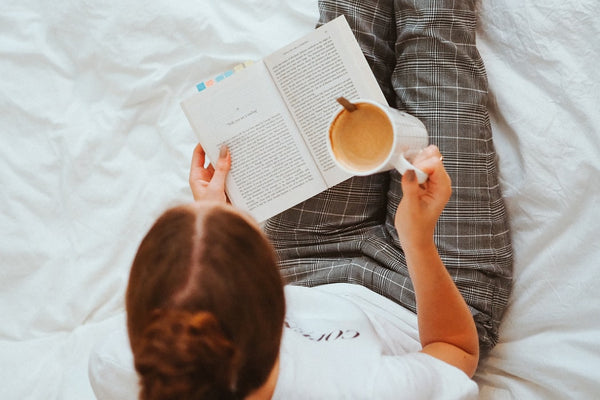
{"x":410,"y":185}
{"x":198,"y":157}
{"x":430,"y":165}
{"x":429,"y":160}
{"x":432,"y":150}
{"x":423,"y":154}
{"x":196,"y":169}
{"x":222,"y":167}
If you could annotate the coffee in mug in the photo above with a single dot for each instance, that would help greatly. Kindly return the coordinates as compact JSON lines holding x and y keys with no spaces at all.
{"x":374,"y":138}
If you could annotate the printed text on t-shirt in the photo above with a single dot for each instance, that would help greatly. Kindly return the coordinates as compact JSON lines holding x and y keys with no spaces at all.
{"x":335,"y":334}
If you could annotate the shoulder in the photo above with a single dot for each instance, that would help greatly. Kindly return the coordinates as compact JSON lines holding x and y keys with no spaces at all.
{"x":110,"y":366}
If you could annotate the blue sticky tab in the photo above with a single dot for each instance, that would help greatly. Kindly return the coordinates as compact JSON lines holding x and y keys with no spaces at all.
{"x":219,"y":78}
{"x":201,"y":86}
{"x":227,"y":74}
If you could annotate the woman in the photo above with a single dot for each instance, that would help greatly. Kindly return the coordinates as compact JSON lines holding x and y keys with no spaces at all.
{"x":369,"y":248}
{"x":206,"y":308}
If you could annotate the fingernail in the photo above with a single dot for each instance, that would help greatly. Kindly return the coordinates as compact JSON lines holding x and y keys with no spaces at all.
{"x":223,"y":151}
{"x":410,"y":175}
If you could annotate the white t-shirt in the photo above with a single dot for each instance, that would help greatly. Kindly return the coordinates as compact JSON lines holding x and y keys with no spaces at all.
{"x":343,"y":341}
{"x":340,"y":341}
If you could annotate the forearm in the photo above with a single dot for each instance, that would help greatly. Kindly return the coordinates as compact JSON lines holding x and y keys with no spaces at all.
{"x":443,"y":315}
{"x":446,"y":327}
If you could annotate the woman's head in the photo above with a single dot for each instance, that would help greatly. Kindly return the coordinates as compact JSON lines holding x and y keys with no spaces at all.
{"x":205,"y":305}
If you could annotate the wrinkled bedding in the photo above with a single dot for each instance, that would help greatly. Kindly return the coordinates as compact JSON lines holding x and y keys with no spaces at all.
{"x":94,"y":146}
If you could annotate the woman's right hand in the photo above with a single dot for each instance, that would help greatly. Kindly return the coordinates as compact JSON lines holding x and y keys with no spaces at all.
{"x":209,"y":183}
{"x":421,"y":205}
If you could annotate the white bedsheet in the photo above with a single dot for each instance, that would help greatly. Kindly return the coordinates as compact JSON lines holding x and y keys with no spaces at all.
{"x":94,"y":146}
{"x":542,"y":60}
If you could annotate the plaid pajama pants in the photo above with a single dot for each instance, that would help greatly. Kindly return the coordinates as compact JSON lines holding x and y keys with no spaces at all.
{"x":423,"y":55}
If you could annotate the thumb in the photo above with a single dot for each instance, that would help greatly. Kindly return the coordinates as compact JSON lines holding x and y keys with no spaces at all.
{"x":222,"y":167}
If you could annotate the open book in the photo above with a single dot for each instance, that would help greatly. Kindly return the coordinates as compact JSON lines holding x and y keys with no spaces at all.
{"x":274,"y":117}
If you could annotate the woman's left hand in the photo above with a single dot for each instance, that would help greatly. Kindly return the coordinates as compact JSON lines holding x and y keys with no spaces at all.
{"x":421,"y":205}
{"x":209,"y":183}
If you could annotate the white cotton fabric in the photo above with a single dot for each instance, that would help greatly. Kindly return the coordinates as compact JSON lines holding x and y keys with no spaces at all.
{"x":341,"y":341}
{"x":344,"y":341}
{"x":94,"y":145}
{"x":111,"y":370}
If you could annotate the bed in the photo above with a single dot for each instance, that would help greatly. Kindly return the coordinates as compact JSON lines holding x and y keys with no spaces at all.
{"x":95,"y":145}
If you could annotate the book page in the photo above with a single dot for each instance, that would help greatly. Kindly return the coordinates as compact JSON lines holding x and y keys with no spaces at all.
{"x":311,"y":74}
{"x":271,"y":168}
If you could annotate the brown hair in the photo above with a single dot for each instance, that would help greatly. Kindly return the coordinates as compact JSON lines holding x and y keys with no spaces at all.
{"x":205,"y":306}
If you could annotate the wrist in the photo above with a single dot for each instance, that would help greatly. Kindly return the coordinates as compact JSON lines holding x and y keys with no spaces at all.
{"x":417,"y":246}
{"x":417,"y":240}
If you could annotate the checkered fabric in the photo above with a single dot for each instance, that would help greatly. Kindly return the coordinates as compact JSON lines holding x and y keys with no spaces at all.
{"x":423,"y":55}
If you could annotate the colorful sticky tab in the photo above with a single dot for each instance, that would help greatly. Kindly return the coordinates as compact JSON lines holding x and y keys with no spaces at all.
{"x":206,"y":84}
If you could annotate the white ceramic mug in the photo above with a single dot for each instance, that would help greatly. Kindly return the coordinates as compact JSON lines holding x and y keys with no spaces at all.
{"x":374,"y":138}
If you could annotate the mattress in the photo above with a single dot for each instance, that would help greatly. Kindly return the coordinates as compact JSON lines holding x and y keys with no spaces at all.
{"x":95,"y":145}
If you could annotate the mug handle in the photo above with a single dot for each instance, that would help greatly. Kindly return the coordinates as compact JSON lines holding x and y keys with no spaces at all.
{"x":402,"y":165}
